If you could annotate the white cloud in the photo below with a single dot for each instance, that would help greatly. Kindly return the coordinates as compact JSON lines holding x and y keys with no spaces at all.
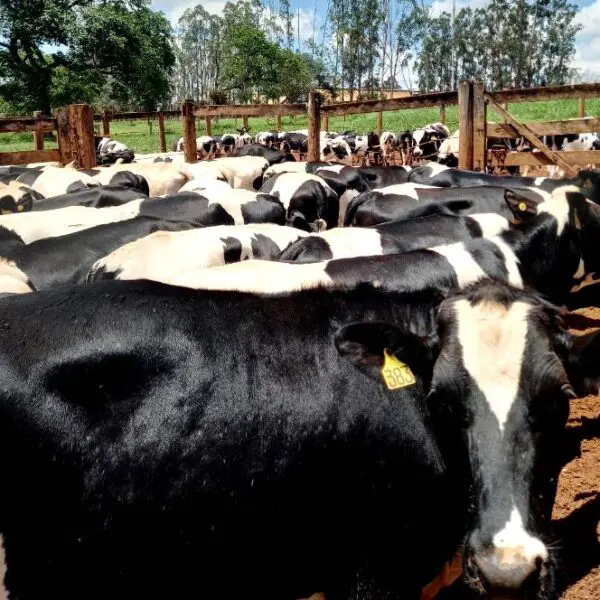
{"x":587,"y":55}
{"x":175,"y":8}
{"x":440,"y":6}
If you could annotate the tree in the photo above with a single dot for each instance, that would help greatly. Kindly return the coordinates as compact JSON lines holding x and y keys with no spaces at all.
{"x":119,"y":47}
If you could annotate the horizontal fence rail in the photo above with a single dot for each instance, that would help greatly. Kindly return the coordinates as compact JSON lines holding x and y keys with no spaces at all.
{"x":74,"y":125}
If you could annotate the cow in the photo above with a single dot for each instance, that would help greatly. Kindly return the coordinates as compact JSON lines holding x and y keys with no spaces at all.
{"x":310,"y":203}
{"x":96,"y":197}
{"x":401,"y":422}
{"x":120,"y":178}
{"x":271,"y":155}
{"x":336,"y":149}
{"x":67,"y":259}
{"x":389,"y":143}
{"x":378,"y":177}
{"x":423,"y":143}
{"x":393,"y":237}
{"x":396,"y":202}
{"x":266,"y":138}
{"x":16,"y":197}
{"x":296,"y":141}
{"x":154,"y":256}
{"x":544,"y":253}
{"x":157,"y":178}
{"x":243,"y":172}
{"x":109,"y":151}
{"x":53,"y":181}
{"x":206,"y":147}
{"x":10,"y":173}
{"x":188,"y":207}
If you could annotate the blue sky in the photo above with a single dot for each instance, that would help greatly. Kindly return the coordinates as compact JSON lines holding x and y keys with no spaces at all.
{"x":588,"y":40}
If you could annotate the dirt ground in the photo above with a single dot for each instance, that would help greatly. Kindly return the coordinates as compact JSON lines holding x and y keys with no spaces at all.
{"x":577,"y":508}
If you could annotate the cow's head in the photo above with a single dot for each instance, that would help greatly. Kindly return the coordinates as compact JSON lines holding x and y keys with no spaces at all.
{"x":17,"y":197}
{"x":498,"y":399}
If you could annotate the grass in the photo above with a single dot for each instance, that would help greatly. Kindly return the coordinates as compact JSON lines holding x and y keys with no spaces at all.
{"x":143,"y":138}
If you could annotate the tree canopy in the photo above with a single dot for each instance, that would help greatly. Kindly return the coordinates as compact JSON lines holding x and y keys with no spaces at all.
{"x":53,"y":52}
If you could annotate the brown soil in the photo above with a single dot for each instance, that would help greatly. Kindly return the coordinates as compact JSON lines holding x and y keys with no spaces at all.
{"x":577,"y":509}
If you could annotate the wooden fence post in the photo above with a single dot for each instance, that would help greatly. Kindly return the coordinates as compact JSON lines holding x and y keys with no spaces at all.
{"x":76,"y":135}
{"x":245,"y":121}
{"x":379,"y":123}
{"x":278,"y":123}
{"x":208,"y":126}
{"x":190,"y":149}
{"x":443,"y":114}
{"x":465,"y":125}
{"x":479,"y":127}
{"x":105,"y":124}
{"x":325,"y":123}
{"x":38,"y":136}
{"x":161,"y":131}
{"x":581,"y":108}
{"x":62,"y":134}
{"x":314,"y":126}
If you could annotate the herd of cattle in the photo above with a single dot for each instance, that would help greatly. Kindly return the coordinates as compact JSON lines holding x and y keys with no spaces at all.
{"x":251,"y":377}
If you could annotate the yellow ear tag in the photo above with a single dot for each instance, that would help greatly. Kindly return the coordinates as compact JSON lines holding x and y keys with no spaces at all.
{"x":395,"y":373}
{"x":522,"y":207}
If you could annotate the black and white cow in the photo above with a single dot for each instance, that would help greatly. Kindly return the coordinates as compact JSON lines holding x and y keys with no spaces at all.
{"x":109,"y":151}
{"x":52,"y":181}
{"x":237,"y":453}
{"x":16,"y":197}
{"x":157,"y":255}
{"x":120,"y":178}
{"x":310,"y":203}
{"x":187,"y":207}
{"x":423,"y":143}
{"x":393,"y":237}
{"x":296,"y":141}
{"x":96,"y":197}
{"x":271,"y":155}
{"x":67,"y":259}
{"x":396,"y":202}
{"x":379,"y":177}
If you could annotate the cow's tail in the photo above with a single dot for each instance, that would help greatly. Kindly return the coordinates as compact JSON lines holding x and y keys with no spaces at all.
{"x":353,"y":207}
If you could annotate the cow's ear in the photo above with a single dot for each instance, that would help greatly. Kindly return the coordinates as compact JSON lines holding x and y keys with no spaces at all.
{"x":520,"y":206}
{"x":386,"y":352}
{"x":583,"y":364}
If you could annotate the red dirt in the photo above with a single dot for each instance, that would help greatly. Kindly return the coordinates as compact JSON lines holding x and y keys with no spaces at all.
{"x":577,"y":509}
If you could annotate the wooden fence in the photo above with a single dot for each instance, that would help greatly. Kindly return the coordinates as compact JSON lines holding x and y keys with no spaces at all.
{"x":75,"y":125}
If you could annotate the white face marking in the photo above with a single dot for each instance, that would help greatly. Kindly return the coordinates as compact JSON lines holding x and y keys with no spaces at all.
{"x":513,"y":535}
{"x":491,"y":223}
{"x":510,"y":260}
{"x":558,"y":205}
{"x":418,"y":135}
{"x":466,"y":268}
{"x":493,"y":340}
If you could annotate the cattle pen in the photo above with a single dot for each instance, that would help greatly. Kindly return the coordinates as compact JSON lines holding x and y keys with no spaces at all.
{"x":75,"y":125}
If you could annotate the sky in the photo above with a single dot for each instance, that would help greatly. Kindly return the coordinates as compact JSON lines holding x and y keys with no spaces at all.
{"x":587,"y":57}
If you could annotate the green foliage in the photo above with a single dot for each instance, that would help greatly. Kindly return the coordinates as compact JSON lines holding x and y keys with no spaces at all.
{"x":115,"y":47}
{"x":508,"y":43}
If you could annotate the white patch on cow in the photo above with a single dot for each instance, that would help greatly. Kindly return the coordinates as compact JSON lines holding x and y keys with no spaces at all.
{"x":493,"y":339}
{"x":232,"y":201}
{"x":513,"y":535}
{"x":335,"y":168}
{"x":163,"y":255}
{"x":200,"y":185}
{"x":466,"y":268}
{"x":558,"y":205}
{"x":345,"y":199}
{"x":54,"y":181}
{"x":241,"y":171}
{"x":418,"y":135}
{"x":12,"y":279}
{"x":580,"y":270}
{"x":349,"y":242}
{"x":286,"y":167}
{"x":403,"y":189}
{"x":436,"y":168}
{"x":539,"y":181}
{"x":257,"y":276}
{"x":491,"y":224}
{"x":162,"y":178}
{"x":511,"y":262}
{"x":450,"y":146}
{"x":33,"y":226}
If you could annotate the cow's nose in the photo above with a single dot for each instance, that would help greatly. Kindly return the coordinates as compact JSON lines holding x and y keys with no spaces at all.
{"x":509,"y":566}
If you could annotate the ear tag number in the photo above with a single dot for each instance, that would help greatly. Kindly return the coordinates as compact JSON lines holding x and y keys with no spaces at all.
{"x":395,"y":373}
